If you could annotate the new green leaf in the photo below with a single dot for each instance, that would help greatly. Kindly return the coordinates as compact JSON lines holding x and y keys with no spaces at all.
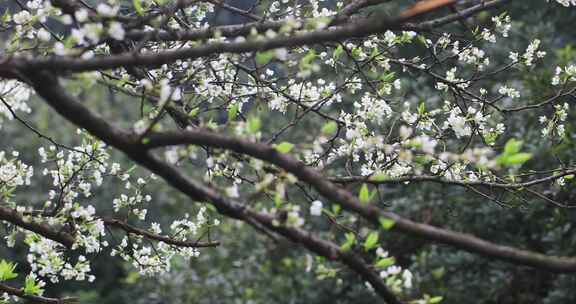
{"x":138,"y":7}
{"x":518,"y":159}
{"x":512,"y":146}
{"x":7,"y":270}
{"x":263,"y":58}
{"x":284,"y":147}
{"x":32,"y":287}
{"x":365,"y":196}
{"x":371,"y":241}
{"x":233,"y":112}
{"x":350,"y":240}
{"x":386,"y":223}
{"x":385,"y":262}
{"x":330,"y":127}
{"x":254,"y":124}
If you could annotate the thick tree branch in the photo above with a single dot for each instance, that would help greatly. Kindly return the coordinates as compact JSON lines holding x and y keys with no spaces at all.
{"x":352,"y":8}
{"x":351,"y":203}
{"x":34,"y":299}
{"x":374,"y":25}
{"x":48,"y":88}
{"x":461,"y":15}
{"x":440,"y":180}
{"x":14,"y":217}
{"x":245,"y":29}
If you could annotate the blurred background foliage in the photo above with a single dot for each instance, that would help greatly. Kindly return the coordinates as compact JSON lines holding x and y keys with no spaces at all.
{"x":251,"y":268}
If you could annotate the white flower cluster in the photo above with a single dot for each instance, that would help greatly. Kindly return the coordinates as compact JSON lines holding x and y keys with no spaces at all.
{"x":458,"y":123}
{"x":555,"y":124}
{"x":372,"y":109}
{"x":90,"y":230}
{"x":530,"y":55}
{"x":503,"y":24}
{"x":451,"y":78}
{"x":77,"y":171}
{"x":564,"y":75}
{"x":184,"y":228}
{"x":157,"y":259}
{"x":134,"y":202}
{"x":78,"y":272}
{"x":316,"y":208}
{"x":47,"y":259}
{"x":399,"y":280}
{"x":508,"y":91}
{"x":566,"y":3}
{"x":14,"y":95}
{"x":13,"y":172}
{"x":475,"y":56}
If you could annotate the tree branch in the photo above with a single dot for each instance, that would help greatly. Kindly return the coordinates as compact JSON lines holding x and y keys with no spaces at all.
{"x":35,"y":299}
{"x":351,"y":203}
{"x":374,"y":25}
{"x":14,"y":217}
{"x":161,"y":238}
{"x":47,"y":86}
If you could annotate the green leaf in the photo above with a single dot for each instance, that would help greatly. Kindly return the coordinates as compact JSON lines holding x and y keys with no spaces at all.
{"x":365,"y":196}
{"x":511,"y":155}
{"x":385,"y":262}
{"x":138,"y":7}
{"x":307,"y":60}
{"x":132,"y":278}
{"x":350,"y":240}
{"x":380,"y":177}
{"x":278,"y":200}
{"x":512,"y":160}
{"x":31,"y":287}
{"x":421,"y":159}
{"x":330,"y":127}
{"x":371,"y":241}
{"x":356,"y":52}
{"x":7,"y":270}
{"x":512,"y":146}
{"x":6,"y":16}
{"x":263,"y":58}
{"x":336,"y":209}
{"x":193,"y":112}
{"x":313,"y":23}
{"x":388,"y":77}
{"x":284,"y":147}
{"x":518,"y":159}
{"x":233,"y":112}
{"x":254,"y":124}
{"x":438,"y":273}
{"x":435,"y":300}
{"x":386,"y":224}
{"x":337,"y":52}
{"x":421,"y":108}
{"x":491,"y":137}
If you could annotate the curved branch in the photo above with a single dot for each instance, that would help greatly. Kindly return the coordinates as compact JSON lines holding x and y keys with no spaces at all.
{"x":34,"y":299}
{"x":161,"y":238}
{"x":351,"y":203}
{"x":14,"y":217}
{"x":374,"y":25}
{"x":48,"y":88}
{"x":461,"y":15}
{"x":352,"y":8}
{"x":440,"y":180}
